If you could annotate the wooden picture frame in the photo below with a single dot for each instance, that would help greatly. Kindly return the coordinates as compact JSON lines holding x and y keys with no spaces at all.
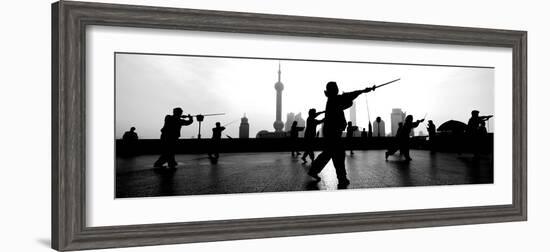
{"x":69,"y":20}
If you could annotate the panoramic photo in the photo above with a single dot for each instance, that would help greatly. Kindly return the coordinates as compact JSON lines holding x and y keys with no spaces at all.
{"x":197,"y":125}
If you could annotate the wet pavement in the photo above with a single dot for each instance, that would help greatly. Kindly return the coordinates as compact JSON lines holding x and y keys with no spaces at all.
{"x":279,"y":172}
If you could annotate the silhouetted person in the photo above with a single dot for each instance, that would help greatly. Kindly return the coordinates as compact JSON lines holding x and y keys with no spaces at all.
{"x":431,"y":134}
{"x":364,"y":133}
{"x":130,"y":136}
{"x":294,"y":130}
{"x":129,"y":141}
{"x":482,"y":130}
{"x":349,"y":135}
{"x":216,"y":137}
{"x":394,"y":147}
{"x":403,"y":138}
{"x":479,"y":140}
{"x":310,"y":133}
{"x":170,"y":133}
{"x":472,"y":129}
{"x":334,"y":125}
{"x":475,"y":121}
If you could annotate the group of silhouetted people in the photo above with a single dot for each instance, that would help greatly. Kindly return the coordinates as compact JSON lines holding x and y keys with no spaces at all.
{"x":334,"y":125}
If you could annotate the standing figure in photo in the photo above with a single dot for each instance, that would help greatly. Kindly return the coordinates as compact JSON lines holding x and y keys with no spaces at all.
{"x":349,"y":135}
{"x":431,"y":134}
{"x":216,"y":139}
{"x":170,"y":133}
{"x":472,"y":131}
{"x":395,"y":143}
{"x":404,"y":137}
{"x":130,"y":136}
{"x":310,"y":133}
{"x":364,"y":133}
{"x":129,"y":141}
{"x":334,"y":125}
{"x":294,"y":130}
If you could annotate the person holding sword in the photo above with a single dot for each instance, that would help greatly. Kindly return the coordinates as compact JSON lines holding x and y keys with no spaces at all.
{"x":170,"y":133}
{"x":334,"y":125}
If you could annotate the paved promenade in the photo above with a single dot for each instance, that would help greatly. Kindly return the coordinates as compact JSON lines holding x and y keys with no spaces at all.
{"x":278,"y":171}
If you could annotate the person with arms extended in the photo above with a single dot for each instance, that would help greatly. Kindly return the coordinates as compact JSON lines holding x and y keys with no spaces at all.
{"x":170,"y":134}
{"x":310,"y":133}
{"x":334,"y":125}
{"x":403,"y":138}
{"x":472,"y":131}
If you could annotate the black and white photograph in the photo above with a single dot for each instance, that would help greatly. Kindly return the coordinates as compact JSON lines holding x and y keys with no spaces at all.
{"x":222,"y":124}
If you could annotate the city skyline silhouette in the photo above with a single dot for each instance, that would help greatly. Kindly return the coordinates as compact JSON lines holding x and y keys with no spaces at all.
{"x":149,"y":86}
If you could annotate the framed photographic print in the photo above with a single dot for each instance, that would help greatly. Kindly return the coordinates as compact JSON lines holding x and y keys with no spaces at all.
{"x":291,"y":125}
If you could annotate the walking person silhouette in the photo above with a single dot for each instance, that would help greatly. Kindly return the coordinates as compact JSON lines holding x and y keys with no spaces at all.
{"x":334,"y":125}
{"x":310,"y":133}
{"x":170,"y":133}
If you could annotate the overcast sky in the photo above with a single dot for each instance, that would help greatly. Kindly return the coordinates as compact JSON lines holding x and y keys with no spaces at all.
{"x":148,"y":87}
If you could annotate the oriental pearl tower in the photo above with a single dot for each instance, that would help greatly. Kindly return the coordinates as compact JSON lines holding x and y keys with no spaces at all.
{"x":278,"y":124}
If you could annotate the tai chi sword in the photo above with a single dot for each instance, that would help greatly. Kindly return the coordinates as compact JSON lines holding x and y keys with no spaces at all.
{"x":387,"y":83}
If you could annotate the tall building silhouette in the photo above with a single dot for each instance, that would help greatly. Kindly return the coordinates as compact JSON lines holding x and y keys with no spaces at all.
{"x":379,"y":128}
{"x":397,"y":116}
{"x":244,"y":128}
{"x":278,"y":124}
{"x":289,"y":120}
{"x":353,"y":114}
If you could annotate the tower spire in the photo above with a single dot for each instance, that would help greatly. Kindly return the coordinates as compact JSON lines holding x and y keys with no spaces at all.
{"x":279,"y":71}
{"x":278,"y":124}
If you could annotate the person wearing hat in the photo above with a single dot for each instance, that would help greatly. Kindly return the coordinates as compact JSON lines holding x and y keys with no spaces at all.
{"x":334,"y":125}
{"x":170,"y":133}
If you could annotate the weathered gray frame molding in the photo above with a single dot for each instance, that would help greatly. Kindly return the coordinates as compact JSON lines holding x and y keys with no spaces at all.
{"x":69,"y":20}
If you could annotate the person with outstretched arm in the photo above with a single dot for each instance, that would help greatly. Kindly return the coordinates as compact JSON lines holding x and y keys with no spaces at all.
{"x":404,"y":139}
{"x":170,"y":133}
{"x":334,"y":125}
{"x":310,"y":133}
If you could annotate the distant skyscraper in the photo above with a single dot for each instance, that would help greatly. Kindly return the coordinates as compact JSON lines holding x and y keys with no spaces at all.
{"x":289,"y":120}
{"x":278,"y":124}
{"x":300,"y":123}
{"x":353,"y":114}
{"x":244,"y":127}
{"x":397,"y":116}
{"x":379,"y":128}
